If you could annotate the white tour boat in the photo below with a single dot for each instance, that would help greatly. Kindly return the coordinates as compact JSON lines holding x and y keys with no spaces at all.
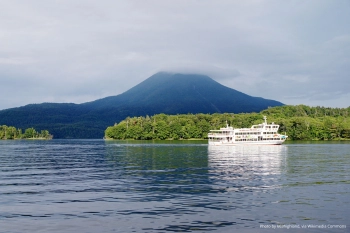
{"x":262,"y":134}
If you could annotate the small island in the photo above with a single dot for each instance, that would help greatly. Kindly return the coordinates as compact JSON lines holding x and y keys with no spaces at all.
{"x":297,"y":122}
{"x":12,"y":133}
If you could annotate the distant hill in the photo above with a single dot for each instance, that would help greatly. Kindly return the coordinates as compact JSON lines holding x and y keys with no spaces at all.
{"x":167,"y":93}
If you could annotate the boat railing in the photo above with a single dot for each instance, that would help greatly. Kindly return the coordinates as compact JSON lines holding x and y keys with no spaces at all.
{"x":220,"y":134}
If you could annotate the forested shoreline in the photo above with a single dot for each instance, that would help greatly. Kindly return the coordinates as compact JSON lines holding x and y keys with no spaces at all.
{"x":11,"y":132}
{"x":298,"y":122}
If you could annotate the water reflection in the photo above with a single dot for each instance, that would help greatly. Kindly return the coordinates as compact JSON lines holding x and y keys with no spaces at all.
{"x":168,"y":169}
{"x":260,"y":165}
{"x":198,"y":168}
{"x":142,"y":156}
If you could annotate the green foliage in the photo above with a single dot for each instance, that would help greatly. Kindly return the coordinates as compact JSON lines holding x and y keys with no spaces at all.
{"x":10,"y":132}
{"x":298,"y":122}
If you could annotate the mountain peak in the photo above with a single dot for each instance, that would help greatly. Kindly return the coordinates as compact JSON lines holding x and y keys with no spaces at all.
{"x":164,"y":79}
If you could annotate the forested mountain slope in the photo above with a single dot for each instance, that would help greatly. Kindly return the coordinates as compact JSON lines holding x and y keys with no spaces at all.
{"x":167,"y":93}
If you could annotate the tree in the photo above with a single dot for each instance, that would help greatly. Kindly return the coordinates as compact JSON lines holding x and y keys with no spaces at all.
{"x":162,"y":130}
{"x":30,"y":133}
{"x":117,"y":131}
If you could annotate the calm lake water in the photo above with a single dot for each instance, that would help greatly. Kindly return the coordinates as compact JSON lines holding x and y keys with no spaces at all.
{"x":118,"y":186}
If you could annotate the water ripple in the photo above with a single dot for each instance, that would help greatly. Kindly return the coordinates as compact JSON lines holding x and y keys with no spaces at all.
{"x":98,"y":186}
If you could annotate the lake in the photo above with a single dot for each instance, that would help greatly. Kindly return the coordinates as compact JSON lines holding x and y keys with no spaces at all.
{"x":136,"y":186}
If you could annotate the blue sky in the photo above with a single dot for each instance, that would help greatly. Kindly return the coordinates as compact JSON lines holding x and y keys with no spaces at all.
{"x":296,"y":52}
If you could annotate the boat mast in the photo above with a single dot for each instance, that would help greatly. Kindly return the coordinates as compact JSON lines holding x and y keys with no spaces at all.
{"x":265,"y":120}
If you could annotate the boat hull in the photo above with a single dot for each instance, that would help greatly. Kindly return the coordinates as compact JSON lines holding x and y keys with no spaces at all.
{"x":233,"y":143}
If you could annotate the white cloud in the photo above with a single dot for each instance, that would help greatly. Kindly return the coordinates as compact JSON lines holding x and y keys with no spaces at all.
{"x":77,"y":51}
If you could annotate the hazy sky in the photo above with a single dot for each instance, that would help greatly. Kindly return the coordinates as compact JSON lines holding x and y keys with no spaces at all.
{"x":296,"y":51}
